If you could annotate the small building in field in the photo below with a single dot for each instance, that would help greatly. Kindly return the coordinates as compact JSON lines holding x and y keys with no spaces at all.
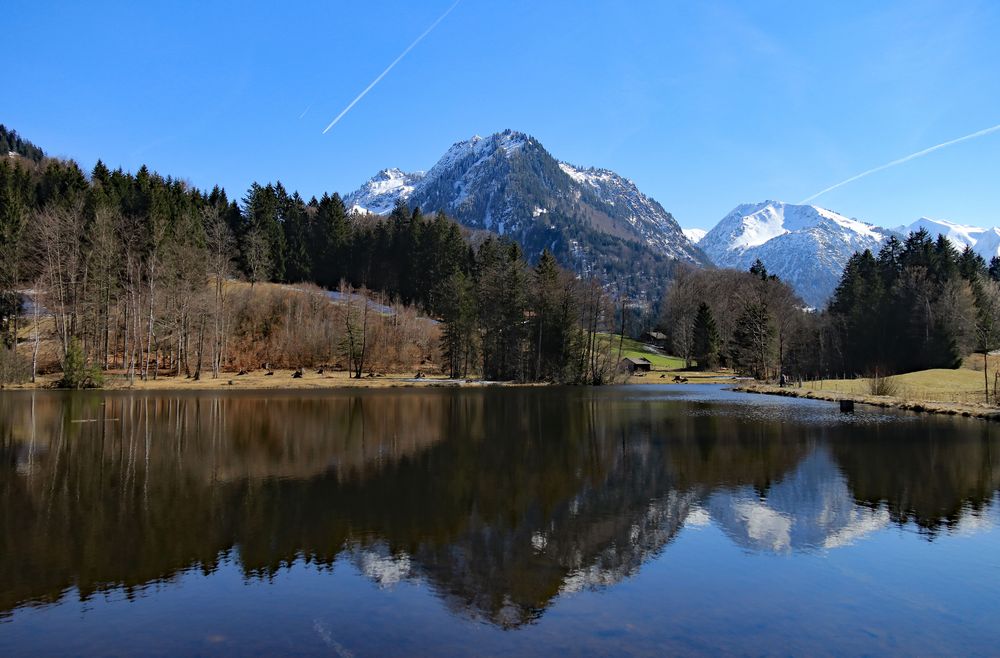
{"x":655,"y":338}
{"x":632,"y":364}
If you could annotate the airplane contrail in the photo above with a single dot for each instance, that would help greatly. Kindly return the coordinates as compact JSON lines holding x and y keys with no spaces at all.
{"x":305,"y":110}
{"x":389,"y":68}
{"x":912,"y":156}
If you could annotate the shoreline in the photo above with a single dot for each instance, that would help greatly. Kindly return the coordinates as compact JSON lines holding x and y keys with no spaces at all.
{"x":282,"y":379}
{"x":921,"y":406}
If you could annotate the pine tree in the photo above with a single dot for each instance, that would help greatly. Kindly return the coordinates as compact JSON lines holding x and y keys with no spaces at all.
{"x":458,"y":312}
{"x":758,"y":269}
{"x":994,"y":270}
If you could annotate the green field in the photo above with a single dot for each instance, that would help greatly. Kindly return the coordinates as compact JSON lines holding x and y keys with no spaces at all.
{"x":635,"y":349}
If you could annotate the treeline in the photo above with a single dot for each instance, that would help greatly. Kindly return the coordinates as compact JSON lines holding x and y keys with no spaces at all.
{"x":917,"y":304}
{"x":13,"y":144}
{"x":137,"y":272}
{"x":751,"y":322}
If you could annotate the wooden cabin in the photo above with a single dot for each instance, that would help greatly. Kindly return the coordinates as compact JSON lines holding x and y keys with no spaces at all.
{"x":636,"y":364}
{"x":655,"y":338}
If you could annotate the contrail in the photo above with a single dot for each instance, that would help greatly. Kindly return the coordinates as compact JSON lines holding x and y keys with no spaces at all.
{"x":912,"y":156}
{"x":305,"y":110}
{"x":389,"y":68}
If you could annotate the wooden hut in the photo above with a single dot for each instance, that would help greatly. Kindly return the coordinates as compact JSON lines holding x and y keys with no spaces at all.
{"x":655,"y":338}
{"x":633,"y":364}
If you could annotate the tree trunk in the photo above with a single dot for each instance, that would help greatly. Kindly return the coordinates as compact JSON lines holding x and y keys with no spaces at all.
{"x":149,"y":327}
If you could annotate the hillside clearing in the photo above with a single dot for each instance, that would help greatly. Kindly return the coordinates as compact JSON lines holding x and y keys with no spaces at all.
{"x":635,"y":349}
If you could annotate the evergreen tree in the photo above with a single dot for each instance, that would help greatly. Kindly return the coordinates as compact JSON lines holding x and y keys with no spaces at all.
{"x":263,"y":234}
{"x":758,"y":269}
{"x":297,"y":232}
{"x":328,"y":246}
{"x":971,"y":266}
{"x":458,"y":311}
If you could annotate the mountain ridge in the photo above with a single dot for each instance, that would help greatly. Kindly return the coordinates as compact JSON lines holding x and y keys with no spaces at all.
{"x":593,"y":219}
{"x":984,"y":241}
{"x":805,"y":245}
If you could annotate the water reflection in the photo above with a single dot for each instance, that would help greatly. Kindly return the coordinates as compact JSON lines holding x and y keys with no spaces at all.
{"x":499,"y":500}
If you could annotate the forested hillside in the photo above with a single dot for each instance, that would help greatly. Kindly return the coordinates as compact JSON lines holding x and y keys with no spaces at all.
{"x":136,"y":272}
{"x":917,"y":304}
{"x":12,"y":145}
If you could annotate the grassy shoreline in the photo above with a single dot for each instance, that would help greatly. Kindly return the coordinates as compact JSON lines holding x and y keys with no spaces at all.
{"x":969,"y":410}
{"x":282,"y":380}
{"x":260,"y":381}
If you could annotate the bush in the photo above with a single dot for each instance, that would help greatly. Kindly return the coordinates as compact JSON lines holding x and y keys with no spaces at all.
{"x":882,"y":385}
{"x":76,"y":372}
{"x":14,"y":369}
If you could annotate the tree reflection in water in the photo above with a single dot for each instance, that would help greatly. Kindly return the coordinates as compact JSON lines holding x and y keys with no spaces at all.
{"x":500,"y":500}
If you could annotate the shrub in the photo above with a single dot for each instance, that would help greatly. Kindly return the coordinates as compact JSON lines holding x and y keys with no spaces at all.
{"x":76,"y":372}
{"x":14,"y":369}
{"x":882,"y":385}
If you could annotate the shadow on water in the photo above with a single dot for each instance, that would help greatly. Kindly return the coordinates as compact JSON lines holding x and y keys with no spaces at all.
{"x":500,"y":500}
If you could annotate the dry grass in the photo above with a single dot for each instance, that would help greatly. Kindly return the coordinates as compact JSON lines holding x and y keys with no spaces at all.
{"x":658,"y":376}
{"x":259,"y":380}
{"x":962,"y":386}
{"x":953,"y":392}
{"x":973,"y":410}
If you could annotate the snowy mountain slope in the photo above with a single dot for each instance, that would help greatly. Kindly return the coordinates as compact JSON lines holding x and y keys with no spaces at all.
{"x":984,"y":241}
{"x":806,"y":246}
{"x":695,"y":235}
{"x":592,"y":219}
{"x":380,"y":193}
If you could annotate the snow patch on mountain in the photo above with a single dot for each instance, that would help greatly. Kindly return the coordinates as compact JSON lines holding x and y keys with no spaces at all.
{"x":381,"y":192}
{"x":807,"y":246}
{"x":695,"y":235}
{"x":984,"y":241}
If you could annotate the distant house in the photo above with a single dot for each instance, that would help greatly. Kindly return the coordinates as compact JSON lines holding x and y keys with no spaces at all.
{"x":633,"y":364}
{"x":655,"y":338}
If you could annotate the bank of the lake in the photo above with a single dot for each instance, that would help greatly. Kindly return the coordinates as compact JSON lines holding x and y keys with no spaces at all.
{"x":260,"y":380}
{"x":282,"y":379}
{"x":889,"y":402}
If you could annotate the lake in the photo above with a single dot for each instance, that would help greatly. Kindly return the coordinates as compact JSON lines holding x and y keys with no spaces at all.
{"x":645,"y":520}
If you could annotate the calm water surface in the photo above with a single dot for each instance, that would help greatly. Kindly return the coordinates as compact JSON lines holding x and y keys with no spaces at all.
{"x":637,"y":520}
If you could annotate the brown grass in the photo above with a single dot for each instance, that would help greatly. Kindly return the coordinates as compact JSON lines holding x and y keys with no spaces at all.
{"x":962,"y":386}
{"x":259,"y":380}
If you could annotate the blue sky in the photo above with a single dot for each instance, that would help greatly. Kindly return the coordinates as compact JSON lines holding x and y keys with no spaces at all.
{"x":703,"y":104}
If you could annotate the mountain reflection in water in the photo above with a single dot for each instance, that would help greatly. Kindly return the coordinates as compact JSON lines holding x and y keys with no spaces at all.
{"x":500,"y":500}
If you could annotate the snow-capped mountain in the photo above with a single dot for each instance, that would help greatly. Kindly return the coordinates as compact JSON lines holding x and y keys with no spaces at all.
{"x":380,"y":193}
{"x":807,"y":246}
{"x":509,"y":184}
{"x":695,"y":235}
{"x":984,"y":241}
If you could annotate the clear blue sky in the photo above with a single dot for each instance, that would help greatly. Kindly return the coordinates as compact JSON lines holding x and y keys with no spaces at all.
{"x":703,"y":104}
